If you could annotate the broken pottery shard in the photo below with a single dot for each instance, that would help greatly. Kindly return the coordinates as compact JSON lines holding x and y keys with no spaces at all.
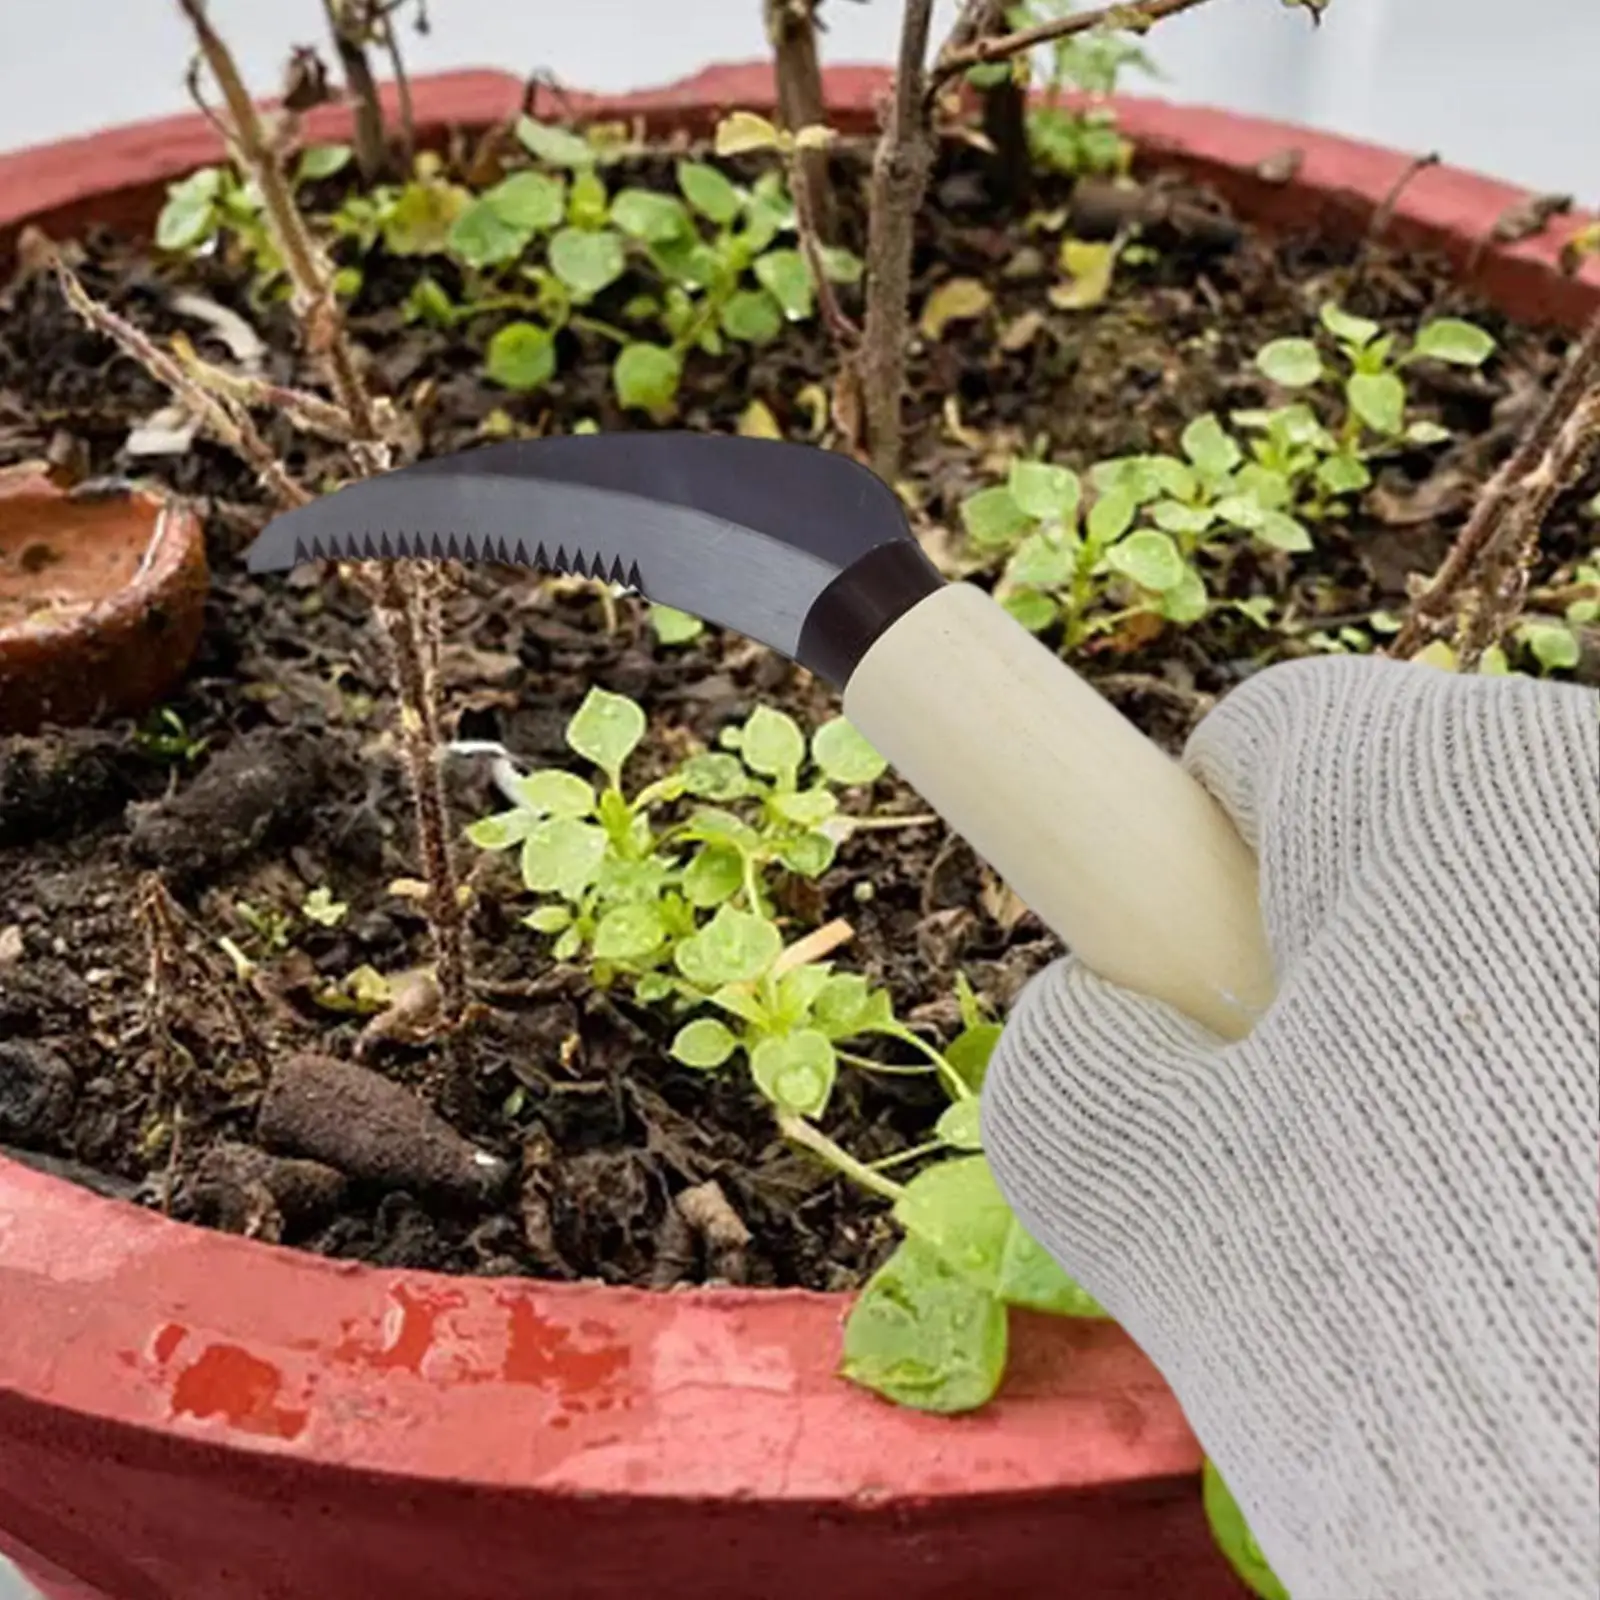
{"x":373,"y":1130}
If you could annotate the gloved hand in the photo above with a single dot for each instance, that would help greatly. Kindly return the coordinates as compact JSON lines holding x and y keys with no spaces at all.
{"x":1361,"y":1244}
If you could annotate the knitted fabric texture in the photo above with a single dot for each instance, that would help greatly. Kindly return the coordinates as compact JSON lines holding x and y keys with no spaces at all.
{"x":1361,"y":1244}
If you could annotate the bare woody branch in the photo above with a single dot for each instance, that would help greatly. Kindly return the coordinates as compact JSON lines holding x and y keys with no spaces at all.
{"x":899,"y":177}
{"x":959,"y":56}
{"x":1435,"y":602}
{"x":226,"y":421}
{"x":1501,"y":588}
{"x":844,"y":333}
{"x":315,"y":305}
{"x":792,"y":32}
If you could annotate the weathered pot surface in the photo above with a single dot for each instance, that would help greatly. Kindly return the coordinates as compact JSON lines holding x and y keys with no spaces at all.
{"x":102,"y":600}
{"x":193,"y":1416}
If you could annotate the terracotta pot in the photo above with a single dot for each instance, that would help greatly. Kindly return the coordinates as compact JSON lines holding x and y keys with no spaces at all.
{"x":101,"y":601}
{"x":190,"y":1416}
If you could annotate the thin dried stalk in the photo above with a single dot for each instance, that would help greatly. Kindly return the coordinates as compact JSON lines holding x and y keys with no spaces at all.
{"x":792,"y":33}
{"x":1140,"y":15}
{"x":349,"y":29}
{"x":1435,"y":602}
{"x":308,"y":412}
{"x":315,"y":305}
{"x":402,"y":611}
{"x":226,"y":421}
{"x":844,"y":333}
{"x":1502,"y":587}
{"x":900,"y":170}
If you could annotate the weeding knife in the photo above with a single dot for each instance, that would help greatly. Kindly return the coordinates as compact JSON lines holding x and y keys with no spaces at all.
{"x":1101,"y":834}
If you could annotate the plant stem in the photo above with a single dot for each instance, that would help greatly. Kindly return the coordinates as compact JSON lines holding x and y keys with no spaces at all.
{"x":402,"y":87}
{"x":224,"y":420}
{"x":401,"y":610}
{"x":900,"y":1157}
{"x":819,"y":1144}
{"x":1433,"y":602}
{"x":1136,"y":17}
{"x":349,"y":30}
{"x":900,"y":170}
{"x":792,"y":33}
{"x":953,"y":1081}
{"x":315,"y":305}
{"x":867,"y":1064}
{"x":1502,"y":587}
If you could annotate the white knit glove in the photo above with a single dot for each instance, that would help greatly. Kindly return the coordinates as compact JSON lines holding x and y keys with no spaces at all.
{"x":1361,"y":1245}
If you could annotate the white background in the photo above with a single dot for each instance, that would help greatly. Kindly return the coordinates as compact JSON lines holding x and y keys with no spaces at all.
{"x":1512,"y":90}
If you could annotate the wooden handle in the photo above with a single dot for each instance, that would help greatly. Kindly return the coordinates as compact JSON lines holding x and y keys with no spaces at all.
{"x":1102,"y":835}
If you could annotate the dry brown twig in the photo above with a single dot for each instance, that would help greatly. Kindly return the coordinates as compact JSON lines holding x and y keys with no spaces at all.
{"x":226,"y":421}
{"x":900,"y":172}
{"x":1545,"y":454}
{"x":792,"y":32}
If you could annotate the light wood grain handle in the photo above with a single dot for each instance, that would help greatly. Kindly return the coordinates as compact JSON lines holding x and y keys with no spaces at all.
{"x":1102,"y":834}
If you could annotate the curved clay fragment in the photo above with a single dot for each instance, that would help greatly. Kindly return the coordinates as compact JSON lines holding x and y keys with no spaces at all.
{"x":101,"y":601}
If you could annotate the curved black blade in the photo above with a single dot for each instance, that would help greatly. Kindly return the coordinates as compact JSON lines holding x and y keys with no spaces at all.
{"x":750,"y":534}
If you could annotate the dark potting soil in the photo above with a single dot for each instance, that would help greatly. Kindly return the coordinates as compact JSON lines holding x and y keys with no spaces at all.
{"x":285,"y":776}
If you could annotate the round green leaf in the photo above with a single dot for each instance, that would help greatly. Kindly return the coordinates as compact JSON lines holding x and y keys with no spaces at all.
{"x":957,"y":1208}
{"x":1150,"y":559}
{"x":646,"y":376}
{"x":649,"y":216}
{"x":1343,"y":474}
{"x":734,"y":947}
{"x":534,"y":201}
{"x":923,"y":1336}
{"x":482,"y":237}
{"x":716,"y":775}
{"x":606,"y":729}
{"x":549,"y":919}
{"x":557,"y":147}
{"x":810,"y":854}
{"x":561,"y":856}
{"x":844,"y":755}
{"x":1234,"y":1538}
{"x":1110,"y":516}
{"x":672,"y":626}
{"x":1042,"y":561}
{"x":1555,"y":647}
{"x":709,"y":192}
{"x":958,"y":1126}
{"x":1451,"y":339}
{"x":586,"y":260}
{"x":796,"y":1071}
{"x":1033,"y":610}
{"x":752,"y":315}
{"x":1186,"y":602}
{"x":521,"y":356}
{"x":841,"y":265}
{"x":970,"y":1050}
{"x":1048,"y":493}
{"x":841,"y":1004}
{"x":993,"y":518}
{"x":629,"y":933}
{"x":188,"y":218}
{"x":1186,"y":521}
{"x":1379,"y":399}
{"x":1348,"y":329}
{"x":704,"y":1043}
{"x":785,"y":275}
{"x":772,"y":743}
{"x":320,"y":161}
{"x":809,"y":808}
{"x":502,"y":830}
{"x":1291,"y":363}
{"x":550,"y":792}
{"x":1283,"y":532}
{"x":1207,"y":444}
{"x":1030,"y":1277}
{"x":716,"y":874}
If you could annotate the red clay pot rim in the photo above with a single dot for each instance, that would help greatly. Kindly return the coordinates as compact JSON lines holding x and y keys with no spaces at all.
{"x":221,"y":1342}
